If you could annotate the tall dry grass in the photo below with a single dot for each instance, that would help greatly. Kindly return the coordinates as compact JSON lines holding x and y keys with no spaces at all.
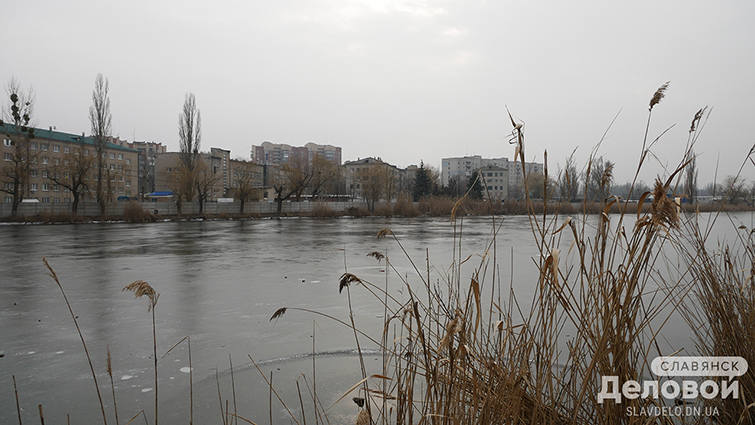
{"x":466,"y":351}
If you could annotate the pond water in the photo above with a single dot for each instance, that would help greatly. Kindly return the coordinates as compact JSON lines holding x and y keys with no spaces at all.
{"x":220,"y":282}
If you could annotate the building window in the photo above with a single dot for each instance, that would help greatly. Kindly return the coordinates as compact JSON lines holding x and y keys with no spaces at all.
{"x":45,"y":200}
{"x":112,"y":167}
{"x":112,"y":155}
{"x":56,"y":148}
{"x":120,"y":157}
{"x":8,"y":199}
{"x":33,"y":173}
{"x":128,"y":161}
{"x":67,"y":149}
{"x":34,"y":187}
{"x":7,"y":142}
{"x":8,"y":157}
{"x":44,"y":147}
{"x":45,"y":161}
{"x":44,"y":173}
{"x":33,"y":145}
{"x":86,"y":152}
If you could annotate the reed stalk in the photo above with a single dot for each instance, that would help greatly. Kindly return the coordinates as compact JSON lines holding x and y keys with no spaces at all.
{"x":141,"y":288}
{"x":54,"y":276}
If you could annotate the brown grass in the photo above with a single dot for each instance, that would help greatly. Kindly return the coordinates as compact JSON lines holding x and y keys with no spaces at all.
{"x":383,"y":209}
{"x":404,"y":207}
{"x":133,"y":212}
{"x":321,"y":209}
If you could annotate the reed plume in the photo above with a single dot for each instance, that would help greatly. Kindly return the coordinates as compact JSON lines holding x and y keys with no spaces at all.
{"x":659,"y":95}
{"x":141,"y":288}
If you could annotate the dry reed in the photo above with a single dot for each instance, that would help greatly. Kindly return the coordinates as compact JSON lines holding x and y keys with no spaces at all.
{"x":54,"y":276}
{"x":141,"y":288}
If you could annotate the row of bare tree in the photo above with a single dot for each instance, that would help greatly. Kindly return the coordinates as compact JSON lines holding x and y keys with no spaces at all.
{"x":22,"y":160}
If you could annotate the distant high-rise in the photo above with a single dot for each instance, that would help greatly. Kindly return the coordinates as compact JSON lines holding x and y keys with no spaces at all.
{"x":269,"y":153}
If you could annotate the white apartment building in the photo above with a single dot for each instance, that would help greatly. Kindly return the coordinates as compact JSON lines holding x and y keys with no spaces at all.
{"x":466,"y":165}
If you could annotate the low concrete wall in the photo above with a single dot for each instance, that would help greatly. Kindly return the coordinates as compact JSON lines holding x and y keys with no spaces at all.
{"x":168,"y":208}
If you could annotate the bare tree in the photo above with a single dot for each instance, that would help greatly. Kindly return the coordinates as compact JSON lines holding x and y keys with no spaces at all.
{"x":324,"y":174}
{"x":735,"y":191}
{"x":18,"y":130}
{"x":181,"y":182}
{"x":189,"y":141}
{"x":101,"y":120}
{"x":373,"y":186}
{"x":599,"y":179}
{"x":293,"y":180}
{"x":690,"y":179}
{"x":205,"y":179}
{"x":243,"y":182}
{"x":568,"y":181}
{"x":73,"y":174}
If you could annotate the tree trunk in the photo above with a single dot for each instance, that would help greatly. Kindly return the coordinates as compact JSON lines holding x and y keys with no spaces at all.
{"x":16,"y":199}
{"x":75,"y":206}
{"x":241,"y":208}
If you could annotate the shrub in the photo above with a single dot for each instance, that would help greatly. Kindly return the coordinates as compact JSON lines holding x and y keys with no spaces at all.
{"x":133,"y":212}
{"x":404,"y":207}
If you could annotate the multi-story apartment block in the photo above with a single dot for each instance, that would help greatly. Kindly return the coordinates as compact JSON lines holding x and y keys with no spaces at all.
{"x":216,"y":163}
{"x":495,"y":182}
{"x":56,"y":159}
{"x":463,"y":167}
{"x":516,"y":176}
{"x":280,"y":153}
{"x":148,"y":152}
{"x":371,"y":177}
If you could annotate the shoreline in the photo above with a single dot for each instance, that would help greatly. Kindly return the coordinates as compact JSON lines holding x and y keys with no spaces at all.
{"x":46,"y":218}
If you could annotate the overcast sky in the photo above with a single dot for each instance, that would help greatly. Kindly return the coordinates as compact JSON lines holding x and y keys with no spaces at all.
{"x":401,"y":80}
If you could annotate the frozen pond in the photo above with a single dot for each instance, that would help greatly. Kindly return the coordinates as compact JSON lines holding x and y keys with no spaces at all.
{"x":220,"y":282}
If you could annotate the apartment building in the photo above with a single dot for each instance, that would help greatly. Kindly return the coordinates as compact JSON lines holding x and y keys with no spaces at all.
{"x":463,"y":167}
{"x":57,"y":158}
{"x":495,"y":182}
{"x":516,"y":175}
{"x":216,"y":164}
{"x":269,"y":153}
{"x":371,"y":177}
{"x":148,"y":152}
